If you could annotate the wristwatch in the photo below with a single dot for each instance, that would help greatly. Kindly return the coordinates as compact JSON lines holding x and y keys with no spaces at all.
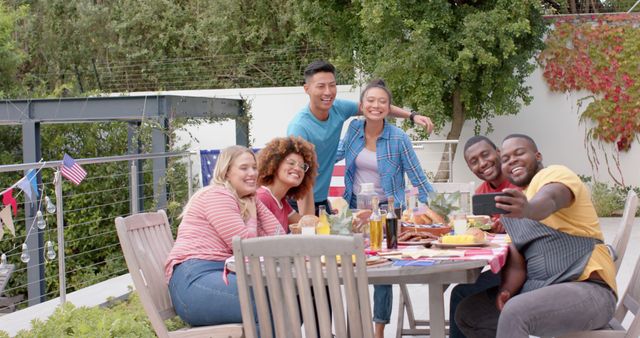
{"x":412,"y":116}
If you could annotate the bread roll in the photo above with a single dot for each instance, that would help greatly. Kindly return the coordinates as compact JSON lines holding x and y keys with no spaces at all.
{"x":422,"y":219}
{"x":434,"y":216}
{"x":478,"y":234}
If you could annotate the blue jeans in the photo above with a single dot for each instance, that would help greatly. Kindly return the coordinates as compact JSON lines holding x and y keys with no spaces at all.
{"x":200,"y":296}
{"x":485,"y":281}
{"x":382,"y":303}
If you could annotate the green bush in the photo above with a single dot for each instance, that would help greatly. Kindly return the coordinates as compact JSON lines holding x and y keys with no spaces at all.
{"x":608,"y":200}
{"x":122,"y":319}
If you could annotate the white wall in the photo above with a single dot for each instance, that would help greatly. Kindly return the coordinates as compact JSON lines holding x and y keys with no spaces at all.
{"x":552,"y":120}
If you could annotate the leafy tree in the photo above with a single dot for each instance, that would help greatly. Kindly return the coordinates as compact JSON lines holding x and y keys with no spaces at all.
{"x":10,"y":55}
{"x":450,"y":60}
{"x":80,"y":46}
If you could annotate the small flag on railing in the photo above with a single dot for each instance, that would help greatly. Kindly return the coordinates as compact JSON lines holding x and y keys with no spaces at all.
{"x":28,"y":184}
{"x":72,"y":170}
{"x":7,"y":199}
{"x":5,"y":216}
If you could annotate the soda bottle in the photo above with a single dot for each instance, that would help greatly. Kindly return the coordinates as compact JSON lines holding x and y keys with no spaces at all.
{"x":392,"y":226}
{"x":323,"y":227}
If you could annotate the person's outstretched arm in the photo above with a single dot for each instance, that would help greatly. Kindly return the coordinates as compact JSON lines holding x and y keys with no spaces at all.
{"x":549,"y":199}
{"x":418,"y":119}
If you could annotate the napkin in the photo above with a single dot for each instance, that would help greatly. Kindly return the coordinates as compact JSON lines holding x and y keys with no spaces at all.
{"x":433,"y":253}
{"x":413,"y":263}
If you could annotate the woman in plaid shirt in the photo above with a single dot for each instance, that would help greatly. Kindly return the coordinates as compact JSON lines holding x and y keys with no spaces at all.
{"x":380,"y":153}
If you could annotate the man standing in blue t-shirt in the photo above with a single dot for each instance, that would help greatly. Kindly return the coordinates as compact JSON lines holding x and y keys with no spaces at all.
{"x":321,"y":122}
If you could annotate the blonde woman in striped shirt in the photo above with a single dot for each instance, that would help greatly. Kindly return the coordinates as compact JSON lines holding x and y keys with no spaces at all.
{"x":199,"y":289}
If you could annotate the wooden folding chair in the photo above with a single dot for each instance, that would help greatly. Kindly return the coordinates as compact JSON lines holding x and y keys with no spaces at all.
{"x":146,"y":241}
{"x":280,"y":270}
{"x":7,"y":304}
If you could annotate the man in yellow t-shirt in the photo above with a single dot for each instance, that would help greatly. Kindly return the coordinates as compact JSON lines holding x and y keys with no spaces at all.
{"x":559,"y":276}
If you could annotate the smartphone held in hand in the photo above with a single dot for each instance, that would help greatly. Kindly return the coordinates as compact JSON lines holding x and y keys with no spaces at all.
{"x":485,"y":204}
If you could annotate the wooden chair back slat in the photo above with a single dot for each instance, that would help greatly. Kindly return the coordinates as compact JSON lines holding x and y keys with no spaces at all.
{"x":320,"y":295}
{"x":335,"y":295}
{"x":623,"y":234}
{"x":290,"y":295}
{"x":5,"y":275}
{"x":260,"y":296}
{"x":275,"y":295}
{"x":306,"y":299}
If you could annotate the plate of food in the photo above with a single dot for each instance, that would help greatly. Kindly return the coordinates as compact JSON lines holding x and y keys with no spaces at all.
{"x":433,"y":229}
{"x":473,"y":237}
{"x":411,"y":237}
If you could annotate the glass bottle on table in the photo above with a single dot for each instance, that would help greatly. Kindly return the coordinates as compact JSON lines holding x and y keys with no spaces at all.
{"x":375,"y":226}
{"x":323,"y":227}
{"x":407,"y":213}
{"x":392,"y":225}
{"x":365,"y":196}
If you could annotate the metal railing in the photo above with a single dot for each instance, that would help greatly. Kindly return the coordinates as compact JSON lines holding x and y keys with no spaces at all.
{"x":430,"y":153}
{"x":119,"y":186}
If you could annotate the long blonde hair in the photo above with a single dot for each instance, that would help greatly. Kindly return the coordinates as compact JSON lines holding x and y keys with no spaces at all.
{"x":225,"y":160}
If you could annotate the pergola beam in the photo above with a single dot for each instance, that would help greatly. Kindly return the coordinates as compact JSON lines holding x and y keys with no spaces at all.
{"x":115,"y":108}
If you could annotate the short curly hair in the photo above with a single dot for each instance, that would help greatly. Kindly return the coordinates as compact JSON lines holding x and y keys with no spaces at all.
{"x":270,"y":157}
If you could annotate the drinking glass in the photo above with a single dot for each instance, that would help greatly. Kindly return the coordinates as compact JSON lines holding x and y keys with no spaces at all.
{"x":460,"y":223}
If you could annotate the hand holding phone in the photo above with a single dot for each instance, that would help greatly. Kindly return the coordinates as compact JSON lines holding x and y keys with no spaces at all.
{"x":485,"y":204}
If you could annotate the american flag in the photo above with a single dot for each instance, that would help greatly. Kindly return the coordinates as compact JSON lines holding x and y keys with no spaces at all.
{"x":72,"y":170}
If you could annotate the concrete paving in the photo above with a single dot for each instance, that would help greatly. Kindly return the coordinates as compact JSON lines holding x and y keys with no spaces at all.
{"x":419,"y":293}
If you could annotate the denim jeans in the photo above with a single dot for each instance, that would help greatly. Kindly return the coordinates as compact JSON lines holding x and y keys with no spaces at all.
{"x":485,"y":281}
{"x":200,"y":296}
{"x":382,"y":303}
{"x":547,"y":312}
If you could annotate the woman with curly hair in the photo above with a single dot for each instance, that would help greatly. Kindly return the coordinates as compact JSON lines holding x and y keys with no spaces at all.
{"x":287,"y":168}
